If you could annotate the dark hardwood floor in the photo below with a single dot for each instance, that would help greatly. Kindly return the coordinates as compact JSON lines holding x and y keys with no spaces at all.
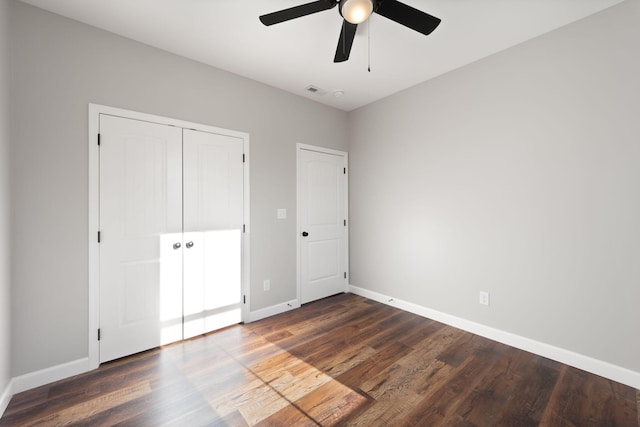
{"x":344,"y":360}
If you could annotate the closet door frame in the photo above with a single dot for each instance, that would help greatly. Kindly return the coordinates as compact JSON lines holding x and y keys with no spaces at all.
{"x":95,"y":110}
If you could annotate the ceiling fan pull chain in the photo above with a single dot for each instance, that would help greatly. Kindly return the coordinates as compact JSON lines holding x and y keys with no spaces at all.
{"x":369,"y":43}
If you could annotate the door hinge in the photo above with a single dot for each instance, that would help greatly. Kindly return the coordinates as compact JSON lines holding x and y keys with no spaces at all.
{"x":345,"y":171}
{"x":244,"y":299}
{"x":243,"y":159}
{"x":98,"y":139}
{"x":345,"y":222}
{"x":244,"y":228}
{"x":98,"y":334}
{"x":345,"y":274}
{"x":98,"y":237}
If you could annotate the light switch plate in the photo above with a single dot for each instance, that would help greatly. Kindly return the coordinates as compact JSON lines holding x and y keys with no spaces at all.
{"x":282,"y":214}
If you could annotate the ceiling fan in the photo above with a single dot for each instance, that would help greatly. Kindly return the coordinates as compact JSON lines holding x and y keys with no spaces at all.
{"x":356,"y":12}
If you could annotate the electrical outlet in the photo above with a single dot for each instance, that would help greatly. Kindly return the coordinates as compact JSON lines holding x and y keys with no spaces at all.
{"x":267,"y":284}
{"x":484,"y":298}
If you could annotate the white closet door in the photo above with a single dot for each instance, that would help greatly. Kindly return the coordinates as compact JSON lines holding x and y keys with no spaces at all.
{"x":213,"y":216}
{"x":322,"y":220}
{"x":141,"y":228}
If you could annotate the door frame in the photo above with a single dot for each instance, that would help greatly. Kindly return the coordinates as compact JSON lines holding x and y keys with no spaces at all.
{"x":95,"y":110}
{"x":345,"y":156}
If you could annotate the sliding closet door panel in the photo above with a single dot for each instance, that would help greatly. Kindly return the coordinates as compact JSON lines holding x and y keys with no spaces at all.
{"x":213,"y":215}
{"x":140,"y":222}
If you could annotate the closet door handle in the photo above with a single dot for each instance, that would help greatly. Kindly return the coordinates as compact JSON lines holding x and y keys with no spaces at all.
{"x":177,"y":246}
{"x":189,"y":245}
{"x":305,"y":234}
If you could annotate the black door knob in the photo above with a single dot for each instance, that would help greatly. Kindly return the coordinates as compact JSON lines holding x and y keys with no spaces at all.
{"x":305,"y":234}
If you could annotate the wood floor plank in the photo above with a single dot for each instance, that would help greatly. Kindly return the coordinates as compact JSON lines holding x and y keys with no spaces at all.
{"x":581,"y":398}
{"x":485,"y":405}
{"x":416,"y":371}
{"x":373,"y":365}
{"x":387,"y":413}
{"x":343,"y":360}
{"x":331,"y":403}
{"x":349,"y":358}
{"x":254,"y":401}
{"x":441,"y":404}
{"x":294,"y":387}
{"x":81,"y":411}
{"x":289,"y":416}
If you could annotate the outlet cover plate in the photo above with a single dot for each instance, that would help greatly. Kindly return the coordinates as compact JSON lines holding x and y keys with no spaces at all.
{"x":484,"y":298}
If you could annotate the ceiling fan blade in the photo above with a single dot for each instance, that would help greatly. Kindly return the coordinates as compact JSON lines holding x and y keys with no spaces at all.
{"x":408,"y":16}
{"x":297,"y":12}
{"x":347,"y":34}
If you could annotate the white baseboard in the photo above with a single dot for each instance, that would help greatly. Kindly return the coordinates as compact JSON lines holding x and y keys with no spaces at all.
{"x":580,"y":361}
{"x":6,"y":396}
{"x":45,"y":376}
{"x":273,"y":310}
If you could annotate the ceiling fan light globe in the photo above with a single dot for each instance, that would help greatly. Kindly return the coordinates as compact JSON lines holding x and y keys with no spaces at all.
{"x":356,"y":11}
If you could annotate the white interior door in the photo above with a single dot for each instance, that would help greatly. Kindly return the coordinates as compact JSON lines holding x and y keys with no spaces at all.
{"x":213,"y":220}
{"x":141,"y":236}
{"x":323,"y":240}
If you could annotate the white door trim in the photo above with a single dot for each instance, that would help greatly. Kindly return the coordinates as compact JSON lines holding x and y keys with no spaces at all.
{"x":94,"y":210}
{"x":345,"y":156}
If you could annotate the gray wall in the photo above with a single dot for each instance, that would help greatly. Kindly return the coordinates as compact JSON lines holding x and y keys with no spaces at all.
{"x":518,"y":175}
{"x":5,"y":307}
{"x":59,"y":66}
{"x":515,"y":175}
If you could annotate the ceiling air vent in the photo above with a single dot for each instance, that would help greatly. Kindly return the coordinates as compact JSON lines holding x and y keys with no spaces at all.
{"x":315,"y":90}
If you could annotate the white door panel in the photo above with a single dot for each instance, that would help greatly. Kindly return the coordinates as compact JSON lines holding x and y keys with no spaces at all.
{"x":213,"y":218}
{"x":213,"y":181}
{"x":324,"y":178}
{"x":140,"y":220}
{"x":322,"y":217}
{"x":326,"y":260}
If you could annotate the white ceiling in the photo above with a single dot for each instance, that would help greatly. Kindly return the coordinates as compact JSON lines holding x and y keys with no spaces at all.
{"x":293,"y":55}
